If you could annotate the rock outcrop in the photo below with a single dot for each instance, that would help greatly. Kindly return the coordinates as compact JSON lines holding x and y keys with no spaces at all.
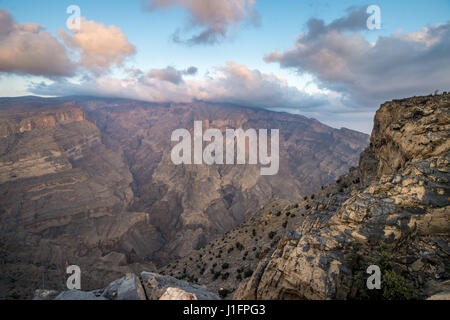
{"x":149,"y":286}
{"x":397,"y":219}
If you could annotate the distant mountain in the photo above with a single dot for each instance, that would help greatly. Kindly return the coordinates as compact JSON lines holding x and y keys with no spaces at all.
{"x":89,"y":181}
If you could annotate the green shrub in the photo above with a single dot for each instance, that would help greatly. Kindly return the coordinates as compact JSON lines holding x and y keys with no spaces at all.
{"x":396,"y":287}
{"x":239,"y":246}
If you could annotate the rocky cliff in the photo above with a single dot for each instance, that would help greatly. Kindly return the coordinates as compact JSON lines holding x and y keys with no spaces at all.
{"x":391,"y":211}
{"x":64,"y":199}
{"x":398,"y":219}
{"x":89,"y":181}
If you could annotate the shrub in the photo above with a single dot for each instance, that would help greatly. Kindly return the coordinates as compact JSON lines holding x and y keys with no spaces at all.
{"x":254,"y":232}
{"x":225,"y":266}
{"x":396,"y":287}
{"x":225,"y":275}
{"x":248,"y":273}
{"x":272,"y":234}
{"x":223,"y":293}
{"x":239,"y":246}
{"x":285,"y":224}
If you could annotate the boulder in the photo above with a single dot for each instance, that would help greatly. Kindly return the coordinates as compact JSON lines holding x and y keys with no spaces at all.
{"x":126,"y":288}
{"x":78,"y":295}
{"x":177,"y":294}
{"x":156,"y":286}
{"x":440,"y":296}
{"x":42,"y":294}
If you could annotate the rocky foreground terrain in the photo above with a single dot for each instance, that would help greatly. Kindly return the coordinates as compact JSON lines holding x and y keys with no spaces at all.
{"x":89,"y":181}
{"x":147,"y":286}
{"x":391,"y":211}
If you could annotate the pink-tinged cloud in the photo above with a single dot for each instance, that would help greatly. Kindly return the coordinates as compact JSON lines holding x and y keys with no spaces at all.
{"x":232,"y":83}
{"x":215,"y":18}
{"x":28,"y":49}
{"x":100,"y":47}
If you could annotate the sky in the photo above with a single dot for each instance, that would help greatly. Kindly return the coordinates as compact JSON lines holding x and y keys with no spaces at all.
{"x":315,"y":58}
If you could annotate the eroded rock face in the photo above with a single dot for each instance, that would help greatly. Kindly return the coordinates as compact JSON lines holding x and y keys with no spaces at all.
{"x":90,"y":182}
{"x":218,"y":198}
{"x":403,"y":206}
{"x":64,"y":199}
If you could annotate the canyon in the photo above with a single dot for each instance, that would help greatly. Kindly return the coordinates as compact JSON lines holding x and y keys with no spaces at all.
{"x":89,"y":181}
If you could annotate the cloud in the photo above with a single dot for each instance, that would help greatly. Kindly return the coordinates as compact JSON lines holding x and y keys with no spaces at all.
{"x":100,"y":47}
{"x":232,"y":83}
{"x":170,"y":74}
{"x":367,"y":74}
{"x":236,"y":83}
{"x":28,"y":49}
{"x":355,"y":20}
{"x":214,"y":18}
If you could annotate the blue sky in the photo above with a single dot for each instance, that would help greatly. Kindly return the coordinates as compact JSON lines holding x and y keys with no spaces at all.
{"x":280,"y":23}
